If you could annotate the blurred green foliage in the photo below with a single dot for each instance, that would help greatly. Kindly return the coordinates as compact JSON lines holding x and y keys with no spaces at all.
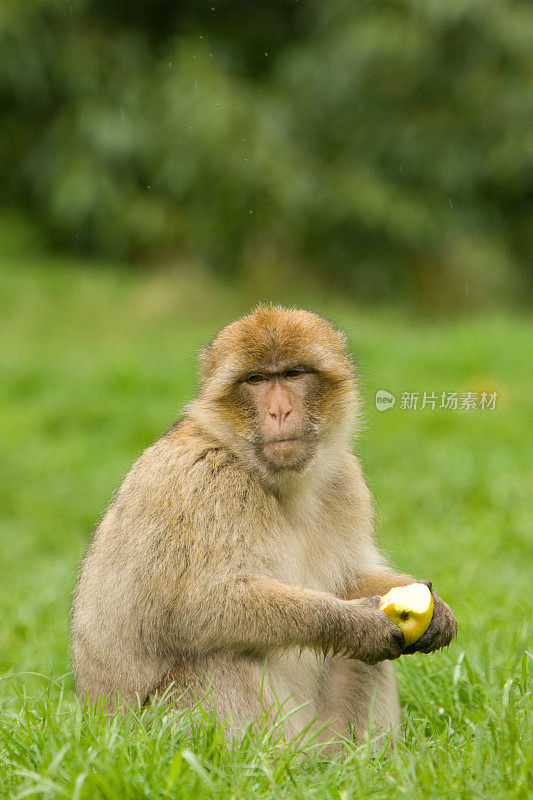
{"x":386,"y":146}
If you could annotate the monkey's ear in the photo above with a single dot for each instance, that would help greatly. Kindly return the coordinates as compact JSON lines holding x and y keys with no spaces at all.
{"x":217,"y":371}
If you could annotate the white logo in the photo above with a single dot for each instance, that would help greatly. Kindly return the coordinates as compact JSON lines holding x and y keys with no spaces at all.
{"x":384,"y":400}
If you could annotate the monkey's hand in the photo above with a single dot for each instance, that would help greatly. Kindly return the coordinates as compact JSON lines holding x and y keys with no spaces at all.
{"x":442,"y":628}
{"x":371,"y":636}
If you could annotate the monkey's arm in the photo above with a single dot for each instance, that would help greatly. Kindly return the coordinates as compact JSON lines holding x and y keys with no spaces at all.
{"x":261,"y":613}
{"x":378,"y":583}
{"x":443,"y":625}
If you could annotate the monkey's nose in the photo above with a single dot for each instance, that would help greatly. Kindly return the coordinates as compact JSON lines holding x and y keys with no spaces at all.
{"x":279,"y":405}
{"x":279,"y":413}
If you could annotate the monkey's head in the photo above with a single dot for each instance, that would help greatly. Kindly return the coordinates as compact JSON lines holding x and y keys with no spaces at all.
{"x":278,"y":386}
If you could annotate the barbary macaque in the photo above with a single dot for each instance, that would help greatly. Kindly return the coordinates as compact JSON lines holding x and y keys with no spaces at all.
{"x":236,"y":564}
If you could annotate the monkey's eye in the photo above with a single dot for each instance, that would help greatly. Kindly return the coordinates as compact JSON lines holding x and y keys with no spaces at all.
{"x":255,"y":377}
{"x":295,"y":372}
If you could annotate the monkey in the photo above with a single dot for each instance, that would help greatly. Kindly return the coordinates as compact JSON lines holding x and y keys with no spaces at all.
{"x":237,"y":564}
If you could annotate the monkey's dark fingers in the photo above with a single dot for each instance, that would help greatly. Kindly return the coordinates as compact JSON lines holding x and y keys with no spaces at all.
{"x":426,"y":583}
{"x":442,"y":629}
{"x":380,"y":639}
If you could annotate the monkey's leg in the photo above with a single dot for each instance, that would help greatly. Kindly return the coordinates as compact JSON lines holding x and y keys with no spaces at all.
{"x":233,"y":685}
{"x":364,"y":696}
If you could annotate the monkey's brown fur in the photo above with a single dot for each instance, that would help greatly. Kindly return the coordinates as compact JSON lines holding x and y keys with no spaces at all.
{"x":216,"y":571}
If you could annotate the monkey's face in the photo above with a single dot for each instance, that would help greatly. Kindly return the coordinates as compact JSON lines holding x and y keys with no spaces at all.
{"x":282,"y":405}
{"x":278,"y":388}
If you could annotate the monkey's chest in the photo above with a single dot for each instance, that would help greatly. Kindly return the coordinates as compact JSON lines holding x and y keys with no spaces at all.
{"x":311,"y":560}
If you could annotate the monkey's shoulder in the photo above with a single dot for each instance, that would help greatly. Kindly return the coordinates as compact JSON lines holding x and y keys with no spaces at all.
{"x":185,"y":468}
{"x":178,"y":500}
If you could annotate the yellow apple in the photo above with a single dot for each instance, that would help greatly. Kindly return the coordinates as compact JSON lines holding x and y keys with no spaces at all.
{"x":411,"y":608}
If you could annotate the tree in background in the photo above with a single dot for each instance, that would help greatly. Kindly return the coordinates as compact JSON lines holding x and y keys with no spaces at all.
{"x":385,"y":145}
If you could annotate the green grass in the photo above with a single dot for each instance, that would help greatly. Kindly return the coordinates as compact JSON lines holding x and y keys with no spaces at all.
{"x":95,"y":363}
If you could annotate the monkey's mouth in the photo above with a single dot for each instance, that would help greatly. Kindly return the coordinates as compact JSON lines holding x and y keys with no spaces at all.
{"x":282,"y":445}
{"x":287,"y":453}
